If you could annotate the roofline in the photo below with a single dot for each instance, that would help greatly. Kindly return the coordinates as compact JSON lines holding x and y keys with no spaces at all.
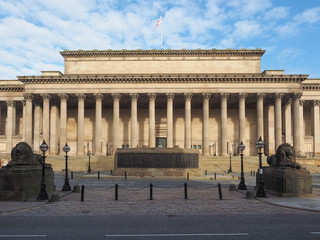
{"x":168,"y":52}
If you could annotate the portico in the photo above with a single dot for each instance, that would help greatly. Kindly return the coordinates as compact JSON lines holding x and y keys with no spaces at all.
{"x":177,"y":96}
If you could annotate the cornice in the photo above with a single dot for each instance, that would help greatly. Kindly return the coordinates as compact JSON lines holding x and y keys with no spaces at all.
{"x":164,"y":78}
{"x":168,"y":53}
{"x":11,"y":89}
{"x":310,"y":87}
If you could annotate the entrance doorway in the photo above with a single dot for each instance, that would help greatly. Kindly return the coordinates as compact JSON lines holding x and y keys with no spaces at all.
{"x":161,"y":142}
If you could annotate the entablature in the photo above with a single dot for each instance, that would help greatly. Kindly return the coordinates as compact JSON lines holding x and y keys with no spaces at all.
{"x":164,"y":78}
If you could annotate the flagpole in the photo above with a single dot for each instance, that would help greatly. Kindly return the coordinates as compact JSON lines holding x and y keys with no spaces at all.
{"x":161,"y":34}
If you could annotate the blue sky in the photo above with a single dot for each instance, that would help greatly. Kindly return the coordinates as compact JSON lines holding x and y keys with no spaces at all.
{"x":32,"y":32}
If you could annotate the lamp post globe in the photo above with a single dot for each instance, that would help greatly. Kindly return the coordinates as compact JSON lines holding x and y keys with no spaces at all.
{"x":242,"y":184}
{"x":260,"y":192}
{"x":230,"y":168}
{"x":66,"y":185}
{"x":43,"y":195}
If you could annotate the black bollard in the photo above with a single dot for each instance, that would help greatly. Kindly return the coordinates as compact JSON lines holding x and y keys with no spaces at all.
{"x":98,"y":175}
{"x":185,"y":191}
{"x":82,"y":193}
{"x":71,"y":175}
{"x":215,"y":176}
{"x":220,"y":193}
{"x":206,"y":172}
{"x":187,"y":176}
{"x":251,"y":172}
{"x":151,"y":192}
{"x":125,"y":175}
{"x":116,"y":192}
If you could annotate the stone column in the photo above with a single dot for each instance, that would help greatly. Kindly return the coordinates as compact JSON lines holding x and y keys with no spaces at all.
{"x":170,"y":97}
{"x":260,"y":97}
{"x":152,"y":119}
{"x":63,"y":120}
{"x":302,"y":129}
{"x":134,"y":120}
{"x":53,"y":148}
{"x":187,"y":121}
{"x":116,"y":118}
{"x":36,"y":128}
{"x":24,"y":120}
{"x":287,"y":118}
{"x":14,"y":119}
{"x":28,"y":98}
{"x":46,"y":118}
{"x":224,"y":119}
{"x":242,"y":117}
{"x":9,"y":125}
{"x":98,"y":129}
{"x":316,"y":128}
{"x":296,"y":123}
{"x":80,"y":142}
{"x":205,"y":124}
{"x":278,"y":119}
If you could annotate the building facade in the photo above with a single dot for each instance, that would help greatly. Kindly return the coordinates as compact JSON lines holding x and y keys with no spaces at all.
{"x":204,"y":99}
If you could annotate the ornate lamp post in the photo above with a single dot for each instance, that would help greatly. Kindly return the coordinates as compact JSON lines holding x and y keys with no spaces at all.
{"x":43,"y":195}
{"x":242,"y":184}
{"x":89,"y":168}
{"x":260,"y":191}
{"x":66,"y":185}
{"x":230,"y":169}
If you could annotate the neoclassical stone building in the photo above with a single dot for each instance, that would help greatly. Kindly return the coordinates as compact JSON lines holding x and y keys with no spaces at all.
{"x":204,"y":99}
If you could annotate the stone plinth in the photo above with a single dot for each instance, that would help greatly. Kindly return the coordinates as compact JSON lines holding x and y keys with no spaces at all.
{"x":22,"y":182}
{"x":156,"y":162}
{"x":287,"y":181}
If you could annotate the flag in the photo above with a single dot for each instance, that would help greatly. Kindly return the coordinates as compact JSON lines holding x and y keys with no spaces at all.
{"x":158,"y":22}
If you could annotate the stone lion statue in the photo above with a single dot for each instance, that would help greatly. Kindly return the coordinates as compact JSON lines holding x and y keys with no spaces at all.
{"x":22,"y":154}
{"x":284,"y":157}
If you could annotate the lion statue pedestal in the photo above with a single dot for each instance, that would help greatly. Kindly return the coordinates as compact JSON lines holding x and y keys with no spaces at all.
{"x":285,"y":177}
{"x":21,"y":178}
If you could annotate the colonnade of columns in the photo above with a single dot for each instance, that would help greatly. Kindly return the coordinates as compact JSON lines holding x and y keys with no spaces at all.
{"x":46,"y":115}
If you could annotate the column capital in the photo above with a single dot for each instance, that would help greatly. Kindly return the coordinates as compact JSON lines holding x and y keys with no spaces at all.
{"x":288,"y":100}
{"x":316,"y":102}
{"x":206,"y":96}
{"x":278,"y":96}
{"x":81,"y":96}
{"x":243,"y":96}
{"x":11,"y":103}
{"x":260,"y":96}
{"x":297,"y":96}
{"x":98,"y":96}
{"x":152,"y":96}
{"x":224,"y":96}
{"x":45,"y":96}
{"x":23,"y":103}
{"x":170,"y":96}
{"x":116,"y":96}
{"x":188,"y":96}
{"x":134,"y":96}
{"x":28,"y":97}
{"x":63,"y":97}
{"x":301,"y":102}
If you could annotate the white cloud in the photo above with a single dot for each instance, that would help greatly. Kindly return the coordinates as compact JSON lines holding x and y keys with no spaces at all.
{"x":277,"y":13}
{"x":311,"y":15}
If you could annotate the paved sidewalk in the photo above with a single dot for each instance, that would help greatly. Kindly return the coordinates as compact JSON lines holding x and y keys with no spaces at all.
{"x":168,"y":199}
